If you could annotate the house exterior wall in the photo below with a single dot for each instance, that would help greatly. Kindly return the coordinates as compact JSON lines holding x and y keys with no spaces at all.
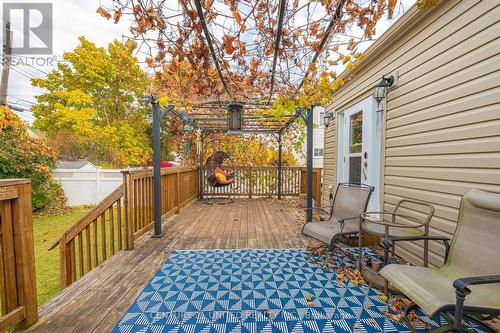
{"x":441,"y":128}
{"x":318,"y":140}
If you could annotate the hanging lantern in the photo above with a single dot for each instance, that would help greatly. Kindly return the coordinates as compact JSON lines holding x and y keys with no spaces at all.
{"x":235,"y":113}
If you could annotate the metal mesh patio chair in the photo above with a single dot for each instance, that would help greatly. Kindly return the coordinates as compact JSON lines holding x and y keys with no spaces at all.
{"x":469,"y":281}
{"x":349,"y":202}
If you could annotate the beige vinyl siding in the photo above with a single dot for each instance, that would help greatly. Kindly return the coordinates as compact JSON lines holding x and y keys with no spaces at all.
{"x":442,"y":121}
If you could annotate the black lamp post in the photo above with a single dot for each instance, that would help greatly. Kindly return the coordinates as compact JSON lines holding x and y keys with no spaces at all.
{"x":380,"y":91}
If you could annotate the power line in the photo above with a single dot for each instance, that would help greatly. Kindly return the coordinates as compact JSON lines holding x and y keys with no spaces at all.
{"x":21,"y":73}
{"x":27,"y":72}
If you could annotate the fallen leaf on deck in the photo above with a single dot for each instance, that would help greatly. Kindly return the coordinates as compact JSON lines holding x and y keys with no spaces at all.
{"x":383,"y":298}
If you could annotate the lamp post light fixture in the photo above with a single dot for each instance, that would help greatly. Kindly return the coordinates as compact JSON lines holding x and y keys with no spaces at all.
{"x":235,"y":114}
{"x":380,"y":91}
{"x":327,"y":118}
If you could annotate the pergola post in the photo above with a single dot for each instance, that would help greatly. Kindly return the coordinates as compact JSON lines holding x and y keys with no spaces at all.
{"x":200,"y":168}
{"x":309,"y":122}
{"x":157,"y":116}
{"x":280,"y":165}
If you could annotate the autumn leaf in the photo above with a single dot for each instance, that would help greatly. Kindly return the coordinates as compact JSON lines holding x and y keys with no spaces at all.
{"x":426,"y":4}
{"x":390,"y":10}
{"x":104,"y":13}
{"x":351,"y":44}
{"x":130,"y":44}
{"x":227,"y":42}
{"x":314,"y":28}
{"x":117,"y":14}
{"x":237,"y":17}
{"x":383,"y":298}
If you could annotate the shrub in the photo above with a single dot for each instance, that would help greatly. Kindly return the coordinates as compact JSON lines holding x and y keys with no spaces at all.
{"x":24,"y":156}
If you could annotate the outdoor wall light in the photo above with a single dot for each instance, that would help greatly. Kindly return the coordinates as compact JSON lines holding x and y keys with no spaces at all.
{"x":328,"y":117}
{"x":380,"y":91}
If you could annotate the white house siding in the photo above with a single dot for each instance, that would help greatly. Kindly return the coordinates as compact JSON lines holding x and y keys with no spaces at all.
{"x":442,"y":121}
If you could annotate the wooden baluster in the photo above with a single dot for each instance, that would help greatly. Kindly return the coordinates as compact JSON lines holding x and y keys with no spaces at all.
{"x":148,"y":205}
{"x":111,"y":231}
{"x":88,"y":248}
{"x":3,"y":300}
{"x":96,"y":252}
{"x":150,"y":201}
{"x":178,"y":194}
{"x":135,"y":206}
{"x":9,"y":260}
{"x":72,"y":260}
{"x":250,"y":184}
{"x":129,"y":208}
{"x":80,"y":254}
{"x":143,"y":200}
{"x":119,"y":223}
{"x":103,"y":235}
{"x":66,"y":264}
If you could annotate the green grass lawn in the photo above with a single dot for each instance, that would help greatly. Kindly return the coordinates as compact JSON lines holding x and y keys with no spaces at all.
{"x":47,"y":230}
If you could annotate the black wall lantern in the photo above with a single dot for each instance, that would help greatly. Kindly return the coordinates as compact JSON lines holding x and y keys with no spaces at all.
{"x":380,"y":91}
{"x":328,"y":117}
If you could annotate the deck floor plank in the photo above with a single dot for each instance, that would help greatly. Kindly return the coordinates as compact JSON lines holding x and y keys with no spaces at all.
{"x":97,"y":301}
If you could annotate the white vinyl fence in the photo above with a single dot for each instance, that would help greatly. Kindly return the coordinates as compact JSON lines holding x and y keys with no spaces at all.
{"x":87,"y":187}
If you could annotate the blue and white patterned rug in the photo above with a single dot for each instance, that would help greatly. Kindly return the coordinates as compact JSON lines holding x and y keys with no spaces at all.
{"x":253,"y":291}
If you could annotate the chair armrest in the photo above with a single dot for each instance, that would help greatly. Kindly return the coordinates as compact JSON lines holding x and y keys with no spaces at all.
{"x":349,"y":218}
{"x":462,"y":283}
{"x":388,"y":242}
{"x":461,"y":291}
{"x":323,"y":207}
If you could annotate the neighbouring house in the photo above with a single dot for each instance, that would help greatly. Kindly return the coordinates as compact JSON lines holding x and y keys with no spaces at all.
{"x":436,"y":134}
{"x":318,"y":140}
{"x":76,"y":165}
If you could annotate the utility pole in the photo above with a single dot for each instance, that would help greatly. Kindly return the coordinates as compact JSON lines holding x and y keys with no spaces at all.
{"x":7,"y":54}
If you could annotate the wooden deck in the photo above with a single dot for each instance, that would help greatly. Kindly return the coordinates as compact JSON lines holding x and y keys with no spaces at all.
{"x":99,"y":299}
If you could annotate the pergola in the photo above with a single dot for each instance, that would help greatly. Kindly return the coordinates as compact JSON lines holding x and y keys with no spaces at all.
{"x":229,"y":117}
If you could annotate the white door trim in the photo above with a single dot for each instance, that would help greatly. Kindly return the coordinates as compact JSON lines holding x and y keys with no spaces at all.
{"x":371,"y":147}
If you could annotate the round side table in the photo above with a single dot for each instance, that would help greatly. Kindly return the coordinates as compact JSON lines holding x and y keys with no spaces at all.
{"x":385,"y":224}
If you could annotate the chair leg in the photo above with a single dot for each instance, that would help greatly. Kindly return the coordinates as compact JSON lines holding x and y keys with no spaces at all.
{"x":459,"y":310}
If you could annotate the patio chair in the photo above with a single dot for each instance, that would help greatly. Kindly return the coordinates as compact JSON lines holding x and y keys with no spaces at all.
{"x":349,"y":202}
{"x":469,"y":281}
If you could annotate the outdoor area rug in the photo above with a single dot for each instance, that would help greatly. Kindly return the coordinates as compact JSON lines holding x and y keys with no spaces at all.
{"x":255,"y":291}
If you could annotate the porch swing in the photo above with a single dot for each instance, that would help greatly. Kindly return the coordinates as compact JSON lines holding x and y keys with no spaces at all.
{"x":217,"y":176}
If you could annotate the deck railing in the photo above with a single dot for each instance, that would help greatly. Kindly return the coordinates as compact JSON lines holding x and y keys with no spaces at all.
{"x":121,"y":217}
{"x":263,"y":182}
{"x":127,"y":213}
{"x":179,"y":186}
{"x":17,"y":263}
{"x":93,"y":239}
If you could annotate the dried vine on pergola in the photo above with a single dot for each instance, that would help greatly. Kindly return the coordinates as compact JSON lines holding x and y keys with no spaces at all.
{"x":252,"y":50}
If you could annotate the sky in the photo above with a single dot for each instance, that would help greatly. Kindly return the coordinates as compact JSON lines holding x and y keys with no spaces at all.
{"x":74,"y":18}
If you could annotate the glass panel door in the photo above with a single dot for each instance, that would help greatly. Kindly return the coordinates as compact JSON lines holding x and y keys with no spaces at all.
{"x":355,"y":148}
{"x":359,"y":147}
